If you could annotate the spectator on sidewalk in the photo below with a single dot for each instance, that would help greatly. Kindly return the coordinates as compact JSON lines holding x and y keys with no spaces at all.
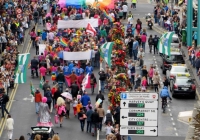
{"x":9,"y":127}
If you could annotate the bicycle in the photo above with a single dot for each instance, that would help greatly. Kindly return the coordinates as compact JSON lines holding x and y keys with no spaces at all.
{"x":164,"y":104}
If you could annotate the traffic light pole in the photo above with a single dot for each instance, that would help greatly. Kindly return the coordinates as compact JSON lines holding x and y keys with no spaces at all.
{"x":189,"y":22}
{"x":198,"y":26}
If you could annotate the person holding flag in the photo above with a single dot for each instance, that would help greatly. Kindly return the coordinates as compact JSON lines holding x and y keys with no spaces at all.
{"x":38,"y":100}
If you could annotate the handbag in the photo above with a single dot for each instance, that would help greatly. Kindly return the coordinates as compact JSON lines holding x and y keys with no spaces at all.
{"x":84,"y":116}
{"x":56,"y":119}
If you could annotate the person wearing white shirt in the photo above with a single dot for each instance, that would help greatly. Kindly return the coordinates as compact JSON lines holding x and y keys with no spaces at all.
{"x":130,"y":20}
{"x":108,"y":129}
{"x":45,"y":6}
{"x":125,"y":9}
{"x":9,"y":127}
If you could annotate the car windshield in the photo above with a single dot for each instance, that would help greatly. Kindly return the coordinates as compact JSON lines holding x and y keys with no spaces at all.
{"x":175,"y":40}
{"x":184,"y":81}
{"x":175,"y":58}
{"x":179,"y":69}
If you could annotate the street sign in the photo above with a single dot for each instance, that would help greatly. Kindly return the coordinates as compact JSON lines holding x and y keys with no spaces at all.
{"x":138,"y":117}
{"x":138,"y":130}
{"x":139,"y":104}
{"x":139,"y":96}
{"x":139,"y":114}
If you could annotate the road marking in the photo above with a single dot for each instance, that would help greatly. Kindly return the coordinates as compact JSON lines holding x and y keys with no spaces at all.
{"x":175,"y":129}
{"x":169,"y":109}
{"x":176,"y":134}
{"x":155,"y":62}
{"x":172,"y":119}
{"x":173,"y":123}
{"x":170,"y":114}
{"x":154,"y":56}
{"x":168,"y":105}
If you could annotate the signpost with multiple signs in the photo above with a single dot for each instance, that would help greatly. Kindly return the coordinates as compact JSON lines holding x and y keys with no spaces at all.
{"x":139,"y":114}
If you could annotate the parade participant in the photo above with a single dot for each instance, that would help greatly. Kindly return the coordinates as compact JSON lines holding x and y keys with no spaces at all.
{"x":66,"y":69}
{"x":60,"y":109}
{"x":84,"y":100}
{"x":93,"y":82}
{"x":94,"y":121}
{"x":43,"y":71}
{"x":9,"y":127}
{"x":74,"y":89}
{"x":89,"y":114}
{"x":34,"y":66}
{"x":101,"y":113}
{"x":45,"y":86}
{"x":48,"y":95}
{"x":89,"y":69}
{"x":44,"y":117}
{"x":82,"y":117}
{"x":38,"y":100}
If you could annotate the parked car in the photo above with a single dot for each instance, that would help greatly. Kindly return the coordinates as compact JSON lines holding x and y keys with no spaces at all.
{"x":45,"y":132}
{"x":176,"y":57}
{"x":177,"y":69}
{"x":183,"y":85}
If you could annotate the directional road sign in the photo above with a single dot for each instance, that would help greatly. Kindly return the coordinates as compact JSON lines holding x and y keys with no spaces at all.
{"x":139,"y":96}
{"x":139,"y":104}
{"x":138,"y":117}
{"x":138,"y":130}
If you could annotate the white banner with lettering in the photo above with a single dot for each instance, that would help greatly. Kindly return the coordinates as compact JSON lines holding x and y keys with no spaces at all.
{"x":42,"y":48}
{"x":77,"y":55}
{"x":77,"y":23}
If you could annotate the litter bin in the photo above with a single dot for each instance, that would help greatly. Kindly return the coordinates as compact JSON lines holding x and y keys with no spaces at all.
{"x":184,"y":35}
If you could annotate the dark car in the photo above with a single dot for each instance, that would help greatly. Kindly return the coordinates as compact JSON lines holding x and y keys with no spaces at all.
{"x":45,"y":132}
{"x":183,"y":85}
{"x":174,"y":58}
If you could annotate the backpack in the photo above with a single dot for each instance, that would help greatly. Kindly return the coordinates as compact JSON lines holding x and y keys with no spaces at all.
{"x":6,"y":98}
{"x":92,"y":81}
{"x":36,"y":14}
{"x":108,"y":118}
{"x":61,"y":110}
{"x":102,"y":77}
{"x":138,"y":27}
{"x":155,"y":39}
{"x":150,"y":41}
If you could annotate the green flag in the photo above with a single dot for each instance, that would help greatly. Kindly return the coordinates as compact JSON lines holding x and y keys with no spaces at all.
{"x":106,"y":51}
{"x":164,"y":44}
{"x":21,"y":73}
{"x":32,"y":89}
{"x":41,"y":82}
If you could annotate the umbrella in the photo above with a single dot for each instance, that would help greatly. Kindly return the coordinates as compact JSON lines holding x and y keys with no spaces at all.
{"x":67,"y":95}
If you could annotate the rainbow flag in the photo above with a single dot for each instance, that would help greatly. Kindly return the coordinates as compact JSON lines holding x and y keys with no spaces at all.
{"x":109,"y":17}
{"x":63,"y":42}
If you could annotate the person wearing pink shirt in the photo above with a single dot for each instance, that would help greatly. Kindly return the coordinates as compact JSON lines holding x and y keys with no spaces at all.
{"x":143,"y":40}
{"x":43,"y":71}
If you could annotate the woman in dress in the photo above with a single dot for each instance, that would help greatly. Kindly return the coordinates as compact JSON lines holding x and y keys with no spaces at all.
{"x":60,"y":109}
{"x":44,"y":114}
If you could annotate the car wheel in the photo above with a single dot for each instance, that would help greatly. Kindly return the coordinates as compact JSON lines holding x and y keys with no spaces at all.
{"x":170,"y":87}
{"x":193,"y":95}
{"x":163,"y":71}
{"x":173,"y":94}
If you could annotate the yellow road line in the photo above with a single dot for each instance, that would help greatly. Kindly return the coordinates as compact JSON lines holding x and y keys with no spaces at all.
{"x":14,"y":91}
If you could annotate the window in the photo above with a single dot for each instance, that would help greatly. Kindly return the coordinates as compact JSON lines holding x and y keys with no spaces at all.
{"x":175,"y":40}
{"x":175,"y":58}
{"x":179,"y":69}
{"x":184,"y":81}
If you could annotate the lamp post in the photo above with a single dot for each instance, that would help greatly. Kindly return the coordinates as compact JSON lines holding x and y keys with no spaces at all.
{"x":189,"y":22}
{"x":198,"y":25}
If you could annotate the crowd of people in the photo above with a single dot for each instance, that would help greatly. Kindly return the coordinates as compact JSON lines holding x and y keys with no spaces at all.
{"x":12,"y":33}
